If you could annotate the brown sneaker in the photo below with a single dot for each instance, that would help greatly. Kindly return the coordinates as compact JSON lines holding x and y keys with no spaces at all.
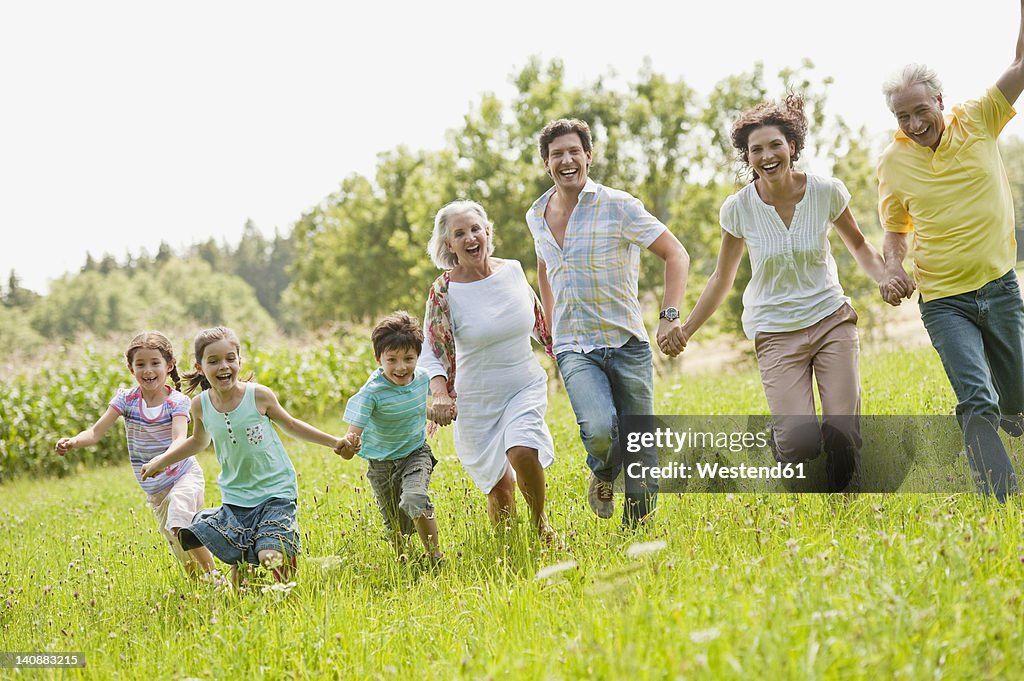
{"x":599,"y":496}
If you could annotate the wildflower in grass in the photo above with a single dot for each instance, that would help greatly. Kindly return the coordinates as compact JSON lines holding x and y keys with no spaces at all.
{"x":556,"y":569}
{"x":705,"y":635}
{"x":645,"y":548}
{"x":279,"y":587}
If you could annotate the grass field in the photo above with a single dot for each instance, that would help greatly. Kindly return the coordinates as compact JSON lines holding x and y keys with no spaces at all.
{"x":770,"y":586}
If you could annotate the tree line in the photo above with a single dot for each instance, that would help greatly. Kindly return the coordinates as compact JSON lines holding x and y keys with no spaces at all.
{"x":361,"y":251}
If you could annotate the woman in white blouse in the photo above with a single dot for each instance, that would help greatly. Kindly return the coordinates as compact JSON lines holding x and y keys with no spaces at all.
{"x":794,"y":308}
{"x":480,"y":316}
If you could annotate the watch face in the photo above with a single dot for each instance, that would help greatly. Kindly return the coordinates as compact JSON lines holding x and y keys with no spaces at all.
{"x":670,"y":313}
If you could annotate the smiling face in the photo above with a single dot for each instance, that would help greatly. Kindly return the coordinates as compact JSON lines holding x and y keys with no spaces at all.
{"x":919,"y":115}
{"x":150,"y":369}
{"x":469,"y":237}
{"x":768,"y":152}
{"x":399,"y":365}
{"x":220,"y":365}
{"x":568,"y":163}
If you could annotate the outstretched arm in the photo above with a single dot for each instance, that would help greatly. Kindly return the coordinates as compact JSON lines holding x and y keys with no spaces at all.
{"x":266,"y":402}
{"x":91,"y":435}
{"x":1011,"y":83}
{"x":869,"y":259}
{"x":677,"y":268}
{"x":718,"y":285}
{"x":180,"y":449}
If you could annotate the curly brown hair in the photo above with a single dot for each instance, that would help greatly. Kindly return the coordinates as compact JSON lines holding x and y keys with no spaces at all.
{"x":397,"y":331}
{"x":564,"y":126}
{"x":788,"y":116}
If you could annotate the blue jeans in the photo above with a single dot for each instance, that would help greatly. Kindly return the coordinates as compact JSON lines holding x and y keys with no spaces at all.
{"x":979,"y":336}
{"x":604,"y":385}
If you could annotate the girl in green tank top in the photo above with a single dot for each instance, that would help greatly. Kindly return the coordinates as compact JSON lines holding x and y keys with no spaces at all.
{"x":257,"y":523}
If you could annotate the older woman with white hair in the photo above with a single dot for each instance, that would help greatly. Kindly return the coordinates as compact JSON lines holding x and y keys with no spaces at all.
{"x":480,"y":315}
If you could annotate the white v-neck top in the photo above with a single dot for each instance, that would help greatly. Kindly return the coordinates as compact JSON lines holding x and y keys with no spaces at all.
{"x":794,"y":282}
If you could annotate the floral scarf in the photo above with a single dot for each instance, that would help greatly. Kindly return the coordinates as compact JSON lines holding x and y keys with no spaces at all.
{"x":441,"y":335}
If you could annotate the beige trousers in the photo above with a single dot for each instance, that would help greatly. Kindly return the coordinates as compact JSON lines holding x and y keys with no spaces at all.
{"x":828,"y":353}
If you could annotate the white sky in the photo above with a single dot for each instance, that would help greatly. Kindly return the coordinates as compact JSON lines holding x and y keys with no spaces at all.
{"x":125,"y":123}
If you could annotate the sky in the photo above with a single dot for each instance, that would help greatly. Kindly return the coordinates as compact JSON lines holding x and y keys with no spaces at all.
{"x":124,"y":124}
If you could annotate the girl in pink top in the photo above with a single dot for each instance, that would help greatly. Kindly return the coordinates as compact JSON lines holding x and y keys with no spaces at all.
{"x":155,"y":416}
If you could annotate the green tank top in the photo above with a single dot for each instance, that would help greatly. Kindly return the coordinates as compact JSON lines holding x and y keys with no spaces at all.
{"x":254,"y":466}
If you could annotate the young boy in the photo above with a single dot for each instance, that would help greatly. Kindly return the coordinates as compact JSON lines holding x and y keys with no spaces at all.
{"x":387,"y":427}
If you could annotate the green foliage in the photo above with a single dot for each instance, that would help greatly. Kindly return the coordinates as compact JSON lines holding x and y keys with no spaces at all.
{"x":38,"y":407}
{"x":655,"y":138}
{"x":718,"y":586}
{"x":173,"y":295}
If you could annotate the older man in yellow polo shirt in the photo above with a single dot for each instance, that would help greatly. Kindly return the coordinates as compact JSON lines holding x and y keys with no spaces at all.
{"x":943,"y":180}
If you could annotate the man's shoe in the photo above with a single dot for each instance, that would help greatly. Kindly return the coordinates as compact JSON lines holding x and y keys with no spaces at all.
{"x":599,"y":496}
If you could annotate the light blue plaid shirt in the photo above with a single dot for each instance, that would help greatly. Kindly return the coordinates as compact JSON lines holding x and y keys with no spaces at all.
{"x":594,"y":274}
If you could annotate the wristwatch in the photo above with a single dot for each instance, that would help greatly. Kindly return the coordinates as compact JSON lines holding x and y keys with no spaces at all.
{"x":669,"y":313}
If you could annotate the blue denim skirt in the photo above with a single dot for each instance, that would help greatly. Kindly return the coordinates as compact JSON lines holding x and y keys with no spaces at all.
{"x":237,"y":534}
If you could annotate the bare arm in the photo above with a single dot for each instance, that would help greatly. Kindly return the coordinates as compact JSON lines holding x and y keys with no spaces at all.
{"x":547,"y":298}
{"x":266,"y":403}
{"x":1011,"y":83}
{"x":869,"y":259}
{"x":443,"y":409}
{"x":898,"y":284}
{"x":180,"y":449}
{"x":718,"y":286}
{"x":91,"y":435}
{"x":677,"y":269}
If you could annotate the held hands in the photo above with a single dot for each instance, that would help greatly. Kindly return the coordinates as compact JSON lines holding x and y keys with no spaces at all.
{"x":897,"y":287}
{"x":348,"y":446}
{"x":671,"y":337}
{"x":442,"y":409}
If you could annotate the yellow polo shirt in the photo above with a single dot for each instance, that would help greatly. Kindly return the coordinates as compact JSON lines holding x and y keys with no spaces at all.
{"x":956,"y":200}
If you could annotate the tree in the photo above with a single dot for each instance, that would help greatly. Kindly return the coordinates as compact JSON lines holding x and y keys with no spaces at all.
{"x":360,"y":253}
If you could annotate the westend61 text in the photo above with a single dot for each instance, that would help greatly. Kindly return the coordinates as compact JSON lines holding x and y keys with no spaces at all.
{"x":667,"y":438}
{"x":708,"y":471}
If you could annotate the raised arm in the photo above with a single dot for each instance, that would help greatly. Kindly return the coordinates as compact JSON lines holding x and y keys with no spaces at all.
{"x":266,"y":403}
{"x":1011,"y":83}
{"x":90,"y":435}
{"x":671,"y":340}
{"x":719,"y":284}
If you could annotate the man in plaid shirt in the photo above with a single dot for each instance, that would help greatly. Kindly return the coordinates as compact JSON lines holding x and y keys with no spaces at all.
{"x":588,"y":240}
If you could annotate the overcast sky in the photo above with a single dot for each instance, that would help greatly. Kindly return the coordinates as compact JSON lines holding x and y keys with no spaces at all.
{"x":126,"y":123}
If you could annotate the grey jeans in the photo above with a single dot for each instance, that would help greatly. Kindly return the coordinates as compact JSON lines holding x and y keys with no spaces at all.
{"x":400,"y":488}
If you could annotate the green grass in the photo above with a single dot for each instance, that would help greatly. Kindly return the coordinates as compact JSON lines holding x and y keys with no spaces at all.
{"x":770,"y":586}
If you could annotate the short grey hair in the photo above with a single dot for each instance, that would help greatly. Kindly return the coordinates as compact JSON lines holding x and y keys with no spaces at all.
{"x":909,"y":76}
{"x":437,"y":247}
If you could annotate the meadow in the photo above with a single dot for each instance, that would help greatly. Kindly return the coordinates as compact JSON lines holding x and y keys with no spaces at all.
{"x":772,"y":586}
